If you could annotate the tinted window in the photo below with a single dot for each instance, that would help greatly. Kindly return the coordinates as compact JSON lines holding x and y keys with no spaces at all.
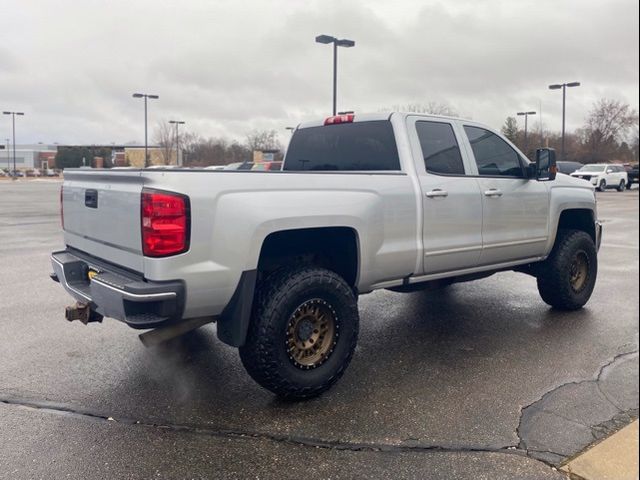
{"x":494,"y":156}
{"x":439,"y":148}
{"x":344,"y":147}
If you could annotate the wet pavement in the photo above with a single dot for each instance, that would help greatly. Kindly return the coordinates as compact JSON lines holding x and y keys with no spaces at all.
{"x":481,"y":380}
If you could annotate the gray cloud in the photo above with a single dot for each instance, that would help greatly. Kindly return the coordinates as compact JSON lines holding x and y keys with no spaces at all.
{"x":227,"y":67}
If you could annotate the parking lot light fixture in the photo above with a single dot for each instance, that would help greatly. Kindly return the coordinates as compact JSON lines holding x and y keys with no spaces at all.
{"x":344,"y":42}
{"x":177,"y":123}
{"x":13,"y":119}
{"x":563,"y":86}
{"x":146,"y":146}
{"x":526,"y":116}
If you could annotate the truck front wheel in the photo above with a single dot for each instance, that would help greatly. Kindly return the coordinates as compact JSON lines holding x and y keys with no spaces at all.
{"x":303,"y":332}
{"x":567,"y":278}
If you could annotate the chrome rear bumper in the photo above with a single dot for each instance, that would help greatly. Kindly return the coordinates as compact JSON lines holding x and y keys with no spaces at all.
{"x":116,"y":293}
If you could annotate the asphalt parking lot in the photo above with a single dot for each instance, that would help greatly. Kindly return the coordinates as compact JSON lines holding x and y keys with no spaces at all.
{"x":481,"y":380}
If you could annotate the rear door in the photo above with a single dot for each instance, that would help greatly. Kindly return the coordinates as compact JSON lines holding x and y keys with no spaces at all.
{"x":452,"y":205}
{"x":515,"y":209}
{"x":102,"y":215}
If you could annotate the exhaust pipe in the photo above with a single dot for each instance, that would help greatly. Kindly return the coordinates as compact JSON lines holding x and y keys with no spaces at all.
{"x":159,"y":335}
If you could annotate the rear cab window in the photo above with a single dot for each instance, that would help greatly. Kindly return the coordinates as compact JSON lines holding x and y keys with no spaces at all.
{"x":439,"y":148}
{"x":358,"y":146}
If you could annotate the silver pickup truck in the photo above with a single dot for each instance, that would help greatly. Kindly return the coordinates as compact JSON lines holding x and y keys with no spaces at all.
{"x":278,"y":259}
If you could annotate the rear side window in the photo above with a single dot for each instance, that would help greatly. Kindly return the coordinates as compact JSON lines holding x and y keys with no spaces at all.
{"x":440,"y":148}
{"x":494,"y":156}
{"x":344,"y":147}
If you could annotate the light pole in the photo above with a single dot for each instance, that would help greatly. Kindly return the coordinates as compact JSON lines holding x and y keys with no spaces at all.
{"x":526,"y":116}
{"x":326,"y":39}
{"x":563,"y":86}
{"x":291,"y":129}
{"x":146,"y":147}
{"x":8,"y":157}
{"x":13,"y":118}
{"x":177,"y":123}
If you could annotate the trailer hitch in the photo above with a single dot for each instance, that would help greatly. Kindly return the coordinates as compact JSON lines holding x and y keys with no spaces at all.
{"x":82,"y":311}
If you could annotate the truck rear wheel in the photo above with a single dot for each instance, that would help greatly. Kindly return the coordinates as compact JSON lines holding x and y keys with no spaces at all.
{"x":303,"y":332}
{"x":568,"y":276}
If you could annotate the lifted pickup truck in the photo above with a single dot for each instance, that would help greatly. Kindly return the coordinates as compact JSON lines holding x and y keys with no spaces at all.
{"x":278,"y":259}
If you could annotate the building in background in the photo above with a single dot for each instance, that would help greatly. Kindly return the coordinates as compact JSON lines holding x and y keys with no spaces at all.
{"x":48,"y":157}
{"x":134,"y":156}
{"x":28,"y":157}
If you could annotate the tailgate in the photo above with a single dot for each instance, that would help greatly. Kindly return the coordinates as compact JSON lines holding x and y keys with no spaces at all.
{"x":102,"y":215}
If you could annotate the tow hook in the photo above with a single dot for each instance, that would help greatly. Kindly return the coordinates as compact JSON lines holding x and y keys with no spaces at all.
{"x":82,"y":311}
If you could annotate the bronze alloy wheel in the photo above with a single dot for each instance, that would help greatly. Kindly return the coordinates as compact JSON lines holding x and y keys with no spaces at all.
{"x":579,"y":271}
{"x":312,"y":332}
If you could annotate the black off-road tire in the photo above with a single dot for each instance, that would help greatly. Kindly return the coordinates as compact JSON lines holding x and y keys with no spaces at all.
{"x":602,"y":186}
{"x":266,"y":355}
{"x":622,"y":186}
{"x":555,"y":276}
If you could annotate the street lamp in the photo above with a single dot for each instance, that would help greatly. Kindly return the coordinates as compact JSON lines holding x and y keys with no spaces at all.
{"x":291,"y":129}
{"x":8,"y":157}
{"x":326,"y":39}
{"x":13,"y":118}
{"x":563,"y":86}
{"x":526,"y":116}
{"x":176,"y":123}
{"x":146,"y":147}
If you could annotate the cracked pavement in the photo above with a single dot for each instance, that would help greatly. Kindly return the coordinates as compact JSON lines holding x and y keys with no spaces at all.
{"x":481,"y":380}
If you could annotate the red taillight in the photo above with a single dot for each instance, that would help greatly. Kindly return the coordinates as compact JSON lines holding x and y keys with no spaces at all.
{"x":61,"y":207}
{"x":165,"y":223}
{"x":345,"y":118}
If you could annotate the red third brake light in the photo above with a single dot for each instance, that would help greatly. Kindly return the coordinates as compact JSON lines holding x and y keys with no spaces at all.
{"x":336,"y":119}
{"x":165,"y":223}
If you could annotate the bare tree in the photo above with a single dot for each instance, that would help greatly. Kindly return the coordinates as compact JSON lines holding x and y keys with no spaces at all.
{"x":165,"y":136}
{"x":431,"y":107}
{"x":606,"y":126}
{"x":263,"y":140}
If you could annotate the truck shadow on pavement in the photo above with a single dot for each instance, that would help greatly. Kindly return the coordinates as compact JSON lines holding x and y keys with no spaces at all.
{"x":449,"y":368}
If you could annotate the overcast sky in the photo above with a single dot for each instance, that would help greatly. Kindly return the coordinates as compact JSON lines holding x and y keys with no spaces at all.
{"x":226,"y":67}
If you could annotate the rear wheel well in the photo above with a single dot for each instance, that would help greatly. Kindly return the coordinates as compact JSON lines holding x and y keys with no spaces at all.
{"x":578,"y":219}
{"x":333,"y":248}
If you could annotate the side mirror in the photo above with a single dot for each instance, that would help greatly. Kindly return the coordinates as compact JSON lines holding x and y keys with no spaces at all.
{"x":609,"y":171}
{"x":546,"y":166}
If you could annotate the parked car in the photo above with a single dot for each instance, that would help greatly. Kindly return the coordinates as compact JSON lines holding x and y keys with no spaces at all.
{"x":267,"y":166}
{"x":603,"y":176}
{"x":16,"y":173}
{"x":239,"y":166}
{"x":215,"y":167}
{"x":51,"y":173}
{"x":632,"y":174}
{"x":382,"y":201}
{"x":569,"y":167}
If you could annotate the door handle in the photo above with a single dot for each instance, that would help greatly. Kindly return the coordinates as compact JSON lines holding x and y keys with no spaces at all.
{"x":493,"y":192}
{"x":437,"y":193}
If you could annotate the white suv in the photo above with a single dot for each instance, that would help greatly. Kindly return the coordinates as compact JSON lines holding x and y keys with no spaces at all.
{"x":604,"y":176}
